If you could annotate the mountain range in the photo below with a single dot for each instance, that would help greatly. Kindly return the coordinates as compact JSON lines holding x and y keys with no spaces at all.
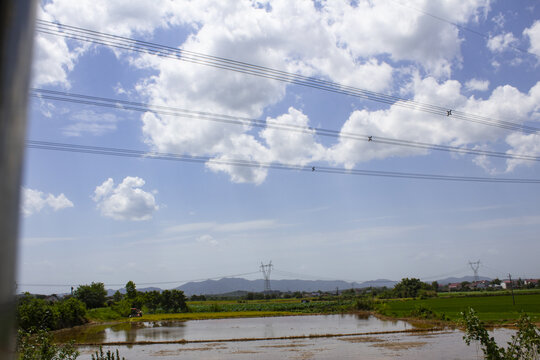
{"x":231,"y":285}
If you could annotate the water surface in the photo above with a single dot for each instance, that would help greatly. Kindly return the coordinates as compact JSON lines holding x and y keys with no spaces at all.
{"x":238,"y":328}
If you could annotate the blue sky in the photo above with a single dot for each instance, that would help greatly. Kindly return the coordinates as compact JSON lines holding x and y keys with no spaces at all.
{"x":113,"y":219}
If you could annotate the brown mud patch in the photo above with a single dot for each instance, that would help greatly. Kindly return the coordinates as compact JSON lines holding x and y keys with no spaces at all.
{"x":362,"y":339}
{"x":400,"y":345}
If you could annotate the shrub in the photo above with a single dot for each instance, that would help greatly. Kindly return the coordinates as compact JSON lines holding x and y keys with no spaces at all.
{"x":39,"y":346}
{"x":525,"y":344}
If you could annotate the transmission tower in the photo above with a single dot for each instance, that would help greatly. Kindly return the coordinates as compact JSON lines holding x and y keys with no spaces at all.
{"x":266,"y":270}
{"x":475,"y":265}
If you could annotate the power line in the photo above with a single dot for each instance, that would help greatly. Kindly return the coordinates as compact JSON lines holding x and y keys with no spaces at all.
{"x":236,"y":120}
{"x":76,"y":148}
{"x":124,"y":43}
{"x":147,"y":283}
{"x":461,"y":27}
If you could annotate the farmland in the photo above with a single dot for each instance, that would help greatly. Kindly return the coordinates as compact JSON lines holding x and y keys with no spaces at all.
{"x":491,"y":308}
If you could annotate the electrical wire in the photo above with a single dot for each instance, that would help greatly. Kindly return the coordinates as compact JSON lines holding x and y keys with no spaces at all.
{"x":148,"y":283}
{"x":269,"y":123}
{"x":128,"y":44}
{"x":461,"y":27}
{"x":76,"y":148}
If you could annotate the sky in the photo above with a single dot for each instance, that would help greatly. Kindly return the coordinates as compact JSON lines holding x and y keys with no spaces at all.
{"x":92,"y":217}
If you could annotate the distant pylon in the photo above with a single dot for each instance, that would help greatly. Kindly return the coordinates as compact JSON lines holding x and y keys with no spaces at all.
{"x":266,"y":270}
{"x":475,"y":265}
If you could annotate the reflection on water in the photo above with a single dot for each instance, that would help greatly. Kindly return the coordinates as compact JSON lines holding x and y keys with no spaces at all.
{"x":230,"y":328}
{"x":444,"y":345}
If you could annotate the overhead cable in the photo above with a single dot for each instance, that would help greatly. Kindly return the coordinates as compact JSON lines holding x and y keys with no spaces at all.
{"x":76,"y":148}
{"x":128,"y":44}
{"x":269,"y":123}
{"x":147,"y":283}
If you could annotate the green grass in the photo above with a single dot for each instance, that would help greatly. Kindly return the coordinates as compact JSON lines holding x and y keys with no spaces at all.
{"x":209,"y":315}
{"x":219,"y":309}
{"x":491,"y":309}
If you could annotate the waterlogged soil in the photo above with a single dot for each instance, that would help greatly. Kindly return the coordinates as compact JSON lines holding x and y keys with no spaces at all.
{"x":445,"y":345}
{"x":349,"y":336}
{"x":225,"y":329}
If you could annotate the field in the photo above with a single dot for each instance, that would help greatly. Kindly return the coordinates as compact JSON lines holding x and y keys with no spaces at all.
{"x":491,"y":309}
{"x":218,"y":309}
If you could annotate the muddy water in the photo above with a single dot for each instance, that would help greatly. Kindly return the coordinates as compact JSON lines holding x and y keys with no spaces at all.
{"x":445,"y":345}
{"x":432,"y":345}
{"x":230,"y":328}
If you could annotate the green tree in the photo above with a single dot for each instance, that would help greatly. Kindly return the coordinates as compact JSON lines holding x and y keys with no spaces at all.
{"x":71,"y":312}
{"x":435,"y":286}
{"x":117,"y":296}
{"x":409,"y":287}
{"x":34,"y":313}
{"x":131,"y":291}
{"x":525,"y":344}
{"x":93,"y":295}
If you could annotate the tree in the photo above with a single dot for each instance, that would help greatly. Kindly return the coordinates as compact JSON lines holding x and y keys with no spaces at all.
{"x":93,"y":295}
{"x":131,"y":291}
{"x":435,"y":286}
{"x":71,"y":312}
{"x":525,"y":344}
{"x":117,"y":296}
{"x":409,"y":287}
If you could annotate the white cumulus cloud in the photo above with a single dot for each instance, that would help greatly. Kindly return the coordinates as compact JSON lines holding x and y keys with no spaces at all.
{"x":501,"y":42}
{"x":126,"y":201}
{"x":33,"y":201}
{"x":533,"y":33}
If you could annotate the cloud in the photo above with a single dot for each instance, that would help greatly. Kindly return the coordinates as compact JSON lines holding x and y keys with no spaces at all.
{"x":533,"y":33}
{"x":33,"y":201}
{"x":55,"y":57}
{"x":88,"y":121}
{"x":477,"y":85}
{"x":501,"y":42}
{"x":127,"y":201}
{"x":207,"y":239}
{"x":505,"y":102}
{"x":261,"y":224}
{"x":505,"y":222}
{"x":45,"y":240}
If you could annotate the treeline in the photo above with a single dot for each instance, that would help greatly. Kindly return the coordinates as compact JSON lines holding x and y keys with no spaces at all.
{"x":36,"y":312}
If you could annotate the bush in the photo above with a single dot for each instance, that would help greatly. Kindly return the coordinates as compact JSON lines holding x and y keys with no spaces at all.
{"x":365,"y":304}
{"x":71,"y":312}
{"x":423,"y":312}
{"x":34,"y":313}
{"x":39,"y":346}
{"x":525,"y":344}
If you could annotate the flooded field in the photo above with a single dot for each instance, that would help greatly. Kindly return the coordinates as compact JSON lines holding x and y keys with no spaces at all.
{"x":248,"y":339}
{"x":230,"y":328}
{"x":446,"y":345}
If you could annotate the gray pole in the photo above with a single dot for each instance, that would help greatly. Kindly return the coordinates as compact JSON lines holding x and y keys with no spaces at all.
{"x":16,"y":34}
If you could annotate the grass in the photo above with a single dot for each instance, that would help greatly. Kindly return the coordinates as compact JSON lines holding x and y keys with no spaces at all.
{"x":199,"y":310}
{"x":208,"y":315}
{"x":491,"y":309}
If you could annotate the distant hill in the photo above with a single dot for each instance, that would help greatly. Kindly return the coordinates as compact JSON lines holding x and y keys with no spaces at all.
{"x":461,"y":279}
{"x":377,"y":283}
{"x":110,"y":292}
{"x":228,"y":285}
{"x":241,"y":286}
